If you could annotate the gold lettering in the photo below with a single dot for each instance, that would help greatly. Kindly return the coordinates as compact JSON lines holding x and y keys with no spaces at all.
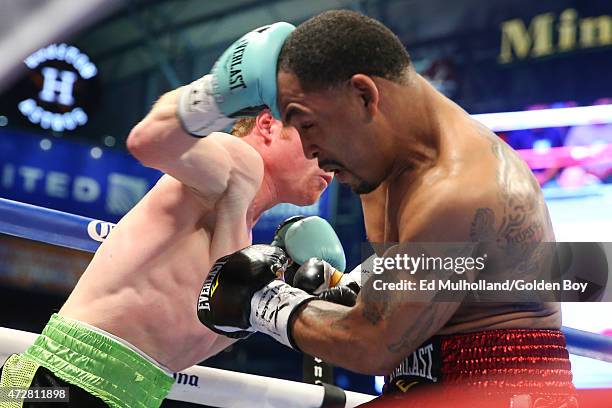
{"x":596,"y":31}
{"x":542,"y":28}
{"x":515,"y":36}
{"x":567,"y":30}
{"x":401,"y":384}
{"x":519,"y":42}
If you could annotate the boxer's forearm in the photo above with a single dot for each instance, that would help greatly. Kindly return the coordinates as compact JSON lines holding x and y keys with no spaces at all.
{"x":159,"y":140}
{"x":342,"y":336}
{"x":204,"y":164}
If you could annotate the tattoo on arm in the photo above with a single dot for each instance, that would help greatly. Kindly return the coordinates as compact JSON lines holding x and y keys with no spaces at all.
{"x":374,"y":311}
{"x":519,"y":196}
{"x":524,"y":219}
{"x":483,"y":225}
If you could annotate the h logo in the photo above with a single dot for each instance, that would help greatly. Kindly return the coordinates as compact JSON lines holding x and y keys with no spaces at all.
{"x":58,"y":90}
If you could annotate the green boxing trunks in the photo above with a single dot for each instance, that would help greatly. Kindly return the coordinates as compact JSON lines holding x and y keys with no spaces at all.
{"x":96,"y":368}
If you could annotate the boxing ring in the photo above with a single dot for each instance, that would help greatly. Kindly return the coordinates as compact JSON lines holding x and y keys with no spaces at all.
{"x":204,"y":385}
{"x":197,"y":384}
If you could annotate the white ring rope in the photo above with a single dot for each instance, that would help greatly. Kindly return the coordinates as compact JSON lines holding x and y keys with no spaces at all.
{"x":215,"y":387}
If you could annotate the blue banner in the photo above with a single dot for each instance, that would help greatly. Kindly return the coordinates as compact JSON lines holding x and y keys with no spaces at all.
{"x":71,"y":177}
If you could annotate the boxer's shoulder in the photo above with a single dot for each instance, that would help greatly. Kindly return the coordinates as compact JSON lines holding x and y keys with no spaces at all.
{"x":170,"y":195}
{"x":246,"y":161}
{"x":442,"y":209}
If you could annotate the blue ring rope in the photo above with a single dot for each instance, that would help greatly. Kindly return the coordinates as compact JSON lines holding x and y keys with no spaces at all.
{"x":51,"y":226}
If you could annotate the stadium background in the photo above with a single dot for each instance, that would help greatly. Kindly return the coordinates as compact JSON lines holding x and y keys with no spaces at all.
{"x":500,"y":56}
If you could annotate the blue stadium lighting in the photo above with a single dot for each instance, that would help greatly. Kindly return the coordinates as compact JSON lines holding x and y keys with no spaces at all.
{"x":46,"y":144}
{"x":95,"y":152}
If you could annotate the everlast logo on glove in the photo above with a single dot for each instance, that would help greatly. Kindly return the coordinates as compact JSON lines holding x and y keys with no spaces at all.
{"x":236,"y":79}
{"x":423,"y":366}
{"x":210,"y":284}
{"x":224,"y":304}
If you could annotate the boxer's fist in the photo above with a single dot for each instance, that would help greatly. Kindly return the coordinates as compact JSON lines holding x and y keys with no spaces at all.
{"x":245,"y":74}
{"x":315,"y":275}
{"x":310,"y":237}
{"x":341,"y":295}
{"x":224,"y":304}
{"x":318,"y":277}
{"x":241,"y":83}
{"x":281,"y":230}
{"x":352,"y":280}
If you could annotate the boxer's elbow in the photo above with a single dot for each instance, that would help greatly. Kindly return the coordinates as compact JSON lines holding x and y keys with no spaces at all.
{"x":138,"y":143}
{"x":150,"y":139}
{"x":374,"y":354}
{"x":147,"y":141}
{"x":376,"y":359}
{"x":370,"y":359}
{"x":386,"y":363}
{"x":371,"y":340}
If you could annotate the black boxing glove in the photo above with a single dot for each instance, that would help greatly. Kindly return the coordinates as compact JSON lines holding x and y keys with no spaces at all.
{"x":224,"y":304}
{"x":318,"y":277}
{"x":241,"y":295}
{"x":315,"y":275}
{"x":342,"y":295}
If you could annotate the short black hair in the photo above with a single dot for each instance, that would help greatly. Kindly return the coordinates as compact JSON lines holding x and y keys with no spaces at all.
{"x":333,"y":46}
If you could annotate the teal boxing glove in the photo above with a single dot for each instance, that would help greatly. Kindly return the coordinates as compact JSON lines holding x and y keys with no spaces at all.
{"x":246,"y":72}
{"x":279,"y":241}
{"x":313,"y":237}
{"x":281,"y":230}
{"x":241,"y":83}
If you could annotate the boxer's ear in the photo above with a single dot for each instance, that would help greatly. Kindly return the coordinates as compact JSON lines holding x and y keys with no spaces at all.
{"x":263,"y":123}
{"x":367,"y":91}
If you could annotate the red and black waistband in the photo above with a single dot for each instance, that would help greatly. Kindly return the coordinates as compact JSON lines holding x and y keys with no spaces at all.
{"x":495,"y":361}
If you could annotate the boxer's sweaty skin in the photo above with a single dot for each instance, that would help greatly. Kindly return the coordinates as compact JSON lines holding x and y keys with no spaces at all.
{"x":431,"y":174}
{"x":511,"y":210}
{"x":143,"y":283}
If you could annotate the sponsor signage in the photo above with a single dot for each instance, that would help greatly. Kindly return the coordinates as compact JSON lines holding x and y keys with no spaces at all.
{"x":66,"y":176}
{"x":551,"y":33}
{"x":62,"y":76}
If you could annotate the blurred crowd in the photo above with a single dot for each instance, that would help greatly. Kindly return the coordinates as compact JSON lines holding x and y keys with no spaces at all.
{"x":544,"y":139}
